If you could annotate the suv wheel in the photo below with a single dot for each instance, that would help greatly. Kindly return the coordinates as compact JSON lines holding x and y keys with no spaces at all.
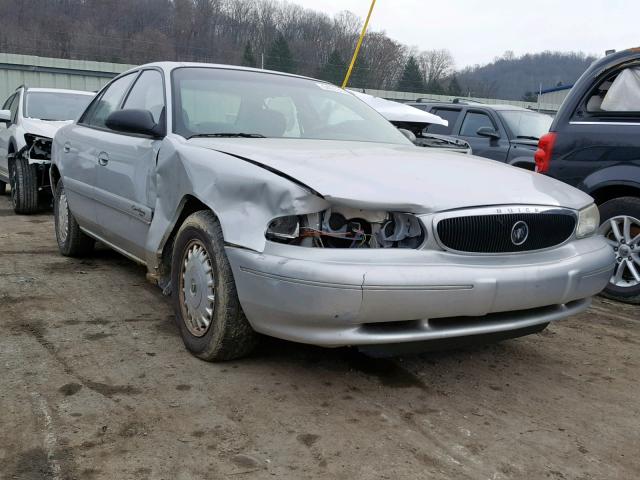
{"x":24,"y":186}
{"x":72,"y":242}
{"x":208,"y":312}
{"x":620,"y":224}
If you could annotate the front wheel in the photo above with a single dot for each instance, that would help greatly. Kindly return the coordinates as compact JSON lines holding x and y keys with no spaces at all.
{"x":24,"y":186}
{"x":208,"y":312}
{"x":72,"y":242}
{"x":620,"y":224}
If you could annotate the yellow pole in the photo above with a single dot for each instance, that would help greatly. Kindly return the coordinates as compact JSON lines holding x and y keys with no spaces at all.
{"x":355,"y":54}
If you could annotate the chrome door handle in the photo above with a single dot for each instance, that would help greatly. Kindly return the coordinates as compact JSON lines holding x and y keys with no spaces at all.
{"x":103,"y":159}
{"x":66,"y":148}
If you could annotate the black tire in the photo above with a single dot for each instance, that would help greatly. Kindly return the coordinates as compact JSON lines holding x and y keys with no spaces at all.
{"x":623,"y":206}
{"x":229,"y":334}
{"x":3,"y":187}
{"x":24,"y":186}
{"x":73,"y":242}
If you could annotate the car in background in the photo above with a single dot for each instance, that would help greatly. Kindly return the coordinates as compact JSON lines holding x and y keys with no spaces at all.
{"x":414,"y":122}
{"x":504,"y":133}
{"x":29,"y":119}
{"x":594,"y":145}
{"x":272,"y":203}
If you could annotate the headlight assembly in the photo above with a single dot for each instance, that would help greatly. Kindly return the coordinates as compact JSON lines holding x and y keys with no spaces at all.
{"x":588,"y":221}
{"x":342,"y":227}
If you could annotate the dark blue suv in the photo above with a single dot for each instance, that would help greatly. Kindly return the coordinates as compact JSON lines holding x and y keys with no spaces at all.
{"x":500,"y":132}
{"x":594,"y":145}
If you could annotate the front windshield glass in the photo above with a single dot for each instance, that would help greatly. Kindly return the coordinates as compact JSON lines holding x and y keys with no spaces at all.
{"x":526,"y":124}
{"x":210,"y":101}
{"x":56,"y":105}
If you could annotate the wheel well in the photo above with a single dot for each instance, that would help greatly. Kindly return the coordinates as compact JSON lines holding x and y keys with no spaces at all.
{"x":190,"y":205}
{"x":55,"y":177}
{"x":610,"y":192}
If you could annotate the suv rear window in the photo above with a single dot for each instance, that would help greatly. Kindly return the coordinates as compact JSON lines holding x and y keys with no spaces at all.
{"x":618,"y":95}
{"x":448,"y":114}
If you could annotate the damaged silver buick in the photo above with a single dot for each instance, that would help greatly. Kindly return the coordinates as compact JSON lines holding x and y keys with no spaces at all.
{"x":272,"y":203}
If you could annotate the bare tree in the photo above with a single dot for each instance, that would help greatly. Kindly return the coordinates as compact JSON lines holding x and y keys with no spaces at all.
{"x":436,"y":65}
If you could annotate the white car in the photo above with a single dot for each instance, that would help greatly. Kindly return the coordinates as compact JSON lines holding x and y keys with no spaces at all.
{"x":29,"y":119}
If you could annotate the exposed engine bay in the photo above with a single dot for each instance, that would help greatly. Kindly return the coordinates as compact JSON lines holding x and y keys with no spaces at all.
{"x":344,"y":227}
{"x":37,"y":149}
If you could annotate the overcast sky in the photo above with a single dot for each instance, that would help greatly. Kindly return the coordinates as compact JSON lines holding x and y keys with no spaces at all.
{"x":476,"y":31}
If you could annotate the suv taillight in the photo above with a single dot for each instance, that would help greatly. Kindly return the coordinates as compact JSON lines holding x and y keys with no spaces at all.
{"x":544,"y":152}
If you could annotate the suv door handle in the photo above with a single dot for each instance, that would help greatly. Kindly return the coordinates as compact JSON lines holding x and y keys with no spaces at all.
{"x":66,"y":148}
{"x":103,"y":158}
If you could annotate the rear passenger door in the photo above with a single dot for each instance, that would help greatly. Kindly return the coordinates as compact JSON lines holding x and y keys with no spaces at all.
{"x":81,"y":146}
{"x":125,"y":175}
{"x":493,"y":148}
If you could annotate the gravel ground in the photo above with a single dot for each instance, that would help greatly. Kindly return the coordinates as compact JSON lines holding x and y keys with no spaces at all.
{"x":96,"y":384}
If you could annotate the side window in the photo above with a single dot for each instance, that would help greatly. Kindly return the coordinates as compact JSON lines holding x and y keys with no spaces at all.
{"x":447,"y":114}
{"x":14,"y":107}
{"x":473,"y":121}
{"x":108,"y":102}
{"x":617,"y":94}
{"x":147,"y":94}
{"x":7,"y":102}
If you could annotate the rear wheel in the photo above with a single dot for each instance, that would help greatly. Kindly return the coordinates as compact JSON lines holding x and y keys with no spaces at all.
{"x":72,"y":242}
{"x":24,"y":186}
{"x":620,"y":224}
{"x":208,"y":312}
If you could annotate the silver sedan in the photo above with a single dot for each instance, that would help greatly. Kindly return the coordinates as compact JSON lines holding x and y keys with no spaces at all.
{"x":271,"y":203}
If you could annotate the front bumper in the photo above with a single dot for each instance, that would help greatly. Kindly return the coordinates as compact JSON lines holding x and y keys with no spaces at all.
{"x":334,"y":297}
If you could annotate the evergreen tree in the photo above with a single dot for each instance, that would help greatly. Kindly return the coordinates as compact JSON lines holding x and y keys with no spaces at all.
{"x":454,"y":87}
{"x":411,"y":79}
{"x":334,"y":70}
{"x":280,"y":57}
{"x":248,"y":58}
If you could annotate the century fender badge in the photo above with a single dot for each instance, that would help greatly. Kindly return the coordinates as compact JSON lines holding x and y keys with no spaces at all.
{"x":519,"y":233}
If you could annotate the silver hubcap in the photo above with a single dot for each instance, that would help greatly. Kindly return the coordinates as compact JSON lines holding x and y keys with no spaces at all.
{"x":197,"y":289}
{"x":63,"y":218}
{"x":623,"y":234}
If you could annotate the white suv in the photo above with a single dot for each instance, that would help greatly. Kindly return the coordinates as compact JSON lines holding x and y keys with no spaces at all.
{"x":29,"y":119}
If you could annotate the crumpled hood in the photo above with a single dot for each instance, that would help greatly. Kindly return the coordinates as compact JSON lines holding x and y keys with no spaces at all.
{"x":397,"y":177}
{"x":43,"y":128}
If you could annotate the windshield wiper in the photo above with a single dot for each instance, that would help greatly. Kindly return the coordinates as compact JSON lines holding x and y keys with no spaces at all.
{"x":228,"y":135}
{"x":528,"y":137}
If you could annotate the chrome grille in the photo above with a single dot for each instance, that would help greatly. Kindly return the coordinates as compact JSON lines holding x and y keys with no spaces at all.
{"x":505,"y":230}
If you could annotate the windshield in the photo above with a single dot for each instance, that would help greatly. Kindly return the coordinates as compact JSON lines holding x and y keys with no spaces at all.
{"x":526,"y":124}
{"x":55,"y":105}
{"x":209,"y":101}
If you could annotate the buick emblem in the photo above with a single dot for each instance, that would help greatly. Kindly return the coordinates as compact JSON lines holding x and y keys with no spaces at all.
{"x":519,"y":233}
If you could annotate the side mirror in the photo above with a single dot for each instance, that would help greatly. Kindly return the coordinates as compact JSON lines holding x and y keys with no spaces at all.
{"x":133,"y":120}
{"x":488,"y":132}
{"x":5,"y":116}
{"x":409,"y":134}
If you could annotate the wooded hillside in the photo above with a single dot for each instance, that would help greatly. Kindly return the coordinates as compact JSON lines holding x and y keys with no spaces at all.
{"x":286,"y":36}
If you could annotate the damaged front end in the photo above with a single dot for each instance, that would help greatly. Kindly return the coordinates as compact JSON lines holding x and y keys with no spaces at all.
{"x":37,"y":152}
{"x":344,"y":227}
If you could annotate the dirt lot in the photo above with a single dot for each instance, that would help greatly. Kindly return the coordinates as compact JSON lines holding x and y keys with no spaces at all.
{"x":96,"y":384}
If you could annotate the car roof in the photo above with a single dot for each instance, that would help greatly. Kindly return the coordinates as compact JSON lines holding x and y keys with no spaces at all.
{"x":496,"y":106}
{"x":58,"y":90}
{"x":169,"y":66}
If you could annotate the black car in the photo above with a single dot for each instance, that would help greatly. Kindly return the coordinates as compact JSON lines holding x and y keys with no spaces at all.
{"x":594,"y":145}
{"x":500,"y":132}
